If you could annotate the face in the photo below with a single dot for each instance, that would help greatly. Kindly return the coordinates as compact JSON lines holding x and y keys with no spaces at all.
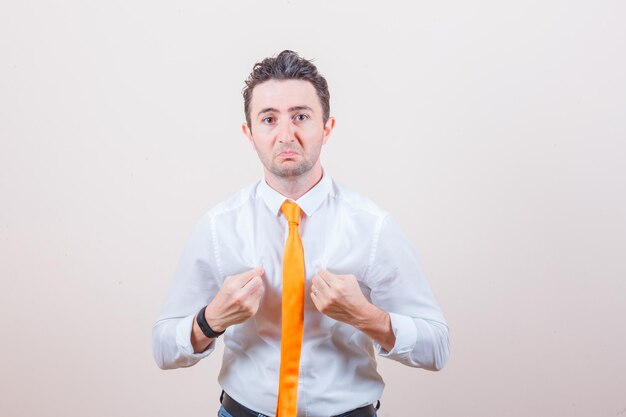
{"x":287,"y":128}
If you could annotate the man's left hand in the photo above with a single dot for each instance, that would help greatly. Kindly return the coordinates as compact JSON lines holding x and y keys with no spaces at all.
{"x":338,"y":296}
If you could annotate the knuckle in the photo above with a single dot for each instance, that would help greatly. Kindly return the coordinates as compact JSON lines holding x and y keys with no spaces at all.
{"x":250,"y":309}
{"x":238,"y":301}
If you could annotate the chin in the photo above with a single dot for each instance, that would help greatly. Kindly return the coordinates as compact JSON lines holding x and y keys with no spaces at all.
{"x":291,"y":171}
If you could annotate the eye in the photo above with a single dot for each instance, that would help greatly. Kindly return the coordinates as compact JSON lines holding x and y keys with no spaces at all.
{"x":268,"y":120}
{"x":301,"y":117}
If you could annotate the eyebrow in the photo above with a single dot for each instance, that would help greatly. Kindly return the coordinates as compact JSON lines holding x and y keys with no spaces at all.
{"x":290,"y":109}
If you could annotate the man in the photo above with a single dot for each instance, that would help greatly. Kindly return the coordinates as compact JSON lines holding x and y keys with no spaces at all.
{"x":307,"y":279}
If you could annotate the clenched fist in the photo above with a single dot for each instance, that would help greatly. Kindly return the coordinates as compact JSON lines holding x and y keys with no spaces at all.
{"x":340,"y":298}
{"x":237,"y":300}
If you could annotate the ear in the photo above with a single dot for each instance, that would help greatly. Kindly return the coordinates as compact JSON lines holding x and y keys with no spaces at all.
{"x":328,"y":128}
{"x":246,"y":131}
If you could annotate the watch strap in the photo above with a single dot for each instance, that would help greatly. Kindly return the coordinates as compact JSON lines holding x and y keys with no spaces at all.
{"x":204,"y":326}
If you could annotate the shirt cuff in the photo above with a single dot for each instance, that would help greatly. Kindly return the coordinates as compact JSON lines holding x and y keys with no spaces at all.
{"x":406,"y":336}
{"x":183,"y":339}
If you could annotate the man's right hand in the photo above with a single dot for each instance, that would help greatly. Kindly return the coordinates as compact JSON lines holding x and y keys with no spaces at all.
{"x":237,"y":300}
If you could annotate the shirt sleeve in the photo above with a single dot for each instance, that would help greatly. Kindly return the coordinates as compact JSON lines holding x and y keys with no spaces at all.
{"x":194,"y":286}
{"x":398,"y":286}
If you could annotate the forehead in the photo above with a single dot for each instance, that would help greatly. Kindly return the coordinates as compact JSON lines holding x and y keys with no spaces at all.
{"x":283,"y":94}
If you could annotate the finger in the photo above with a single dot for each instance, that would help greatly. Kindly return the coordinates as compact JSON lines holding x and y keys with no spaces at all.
{"x":325,"y":279}
{"x":314,"y":291}
{"x":254,"y":290}
{"x":317,"y":295}
{"x":316,"y":301}
{"x":326,"y":276}
{"x":318,"y":284}
{"x":250,"y":275}
{"x":253,"y":285}
{"x":257,"y":292}
{"x":315,"y":281}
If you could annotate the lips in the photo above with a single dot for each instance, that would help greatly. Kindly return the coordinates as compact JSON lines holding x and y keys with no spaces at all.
{"x":288,"y":153}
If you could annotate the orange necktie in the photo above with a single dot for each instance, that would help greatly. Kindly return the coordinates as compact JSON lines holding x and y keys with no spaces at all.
{"x":293,"y":315}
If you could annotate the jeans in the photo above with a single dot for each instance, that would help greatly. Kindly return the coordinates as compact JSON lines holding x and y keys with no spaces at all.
{"x":223,"y":413}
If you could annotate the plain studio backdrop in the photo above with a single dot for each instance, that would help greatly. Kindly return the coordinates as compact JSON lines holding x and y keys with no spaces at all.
{"x":493,"y":131}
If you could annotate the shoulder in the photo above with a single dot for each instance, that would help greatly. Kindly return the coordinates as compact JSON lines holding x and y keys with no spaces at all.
{"x":234,"y":203}
{"x":356,"y":202}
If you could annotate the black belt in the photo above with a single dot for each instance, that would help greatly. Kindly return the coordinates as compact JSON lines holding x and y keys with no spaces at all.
{"x":238,"y":410}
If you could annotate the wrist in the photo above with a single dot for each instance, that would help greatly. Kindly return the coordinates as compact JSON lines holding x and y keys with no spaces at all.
{"x":214,"y":321}
{"x":210,"y":331}
{"x":369,"y":318}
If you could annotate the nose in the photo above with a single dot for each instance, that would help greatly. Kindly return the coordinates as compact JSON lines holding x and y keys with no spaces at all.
{"x":286,"y":132}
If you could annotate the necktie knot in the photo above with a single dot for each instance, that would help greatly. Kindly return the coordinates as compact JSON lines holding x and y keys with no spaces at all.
{"x":292,"y":212}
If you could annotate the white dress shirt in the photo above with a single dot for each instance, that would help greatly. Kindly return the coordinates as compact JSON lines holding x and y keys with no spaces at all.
{"x":341,"y":231}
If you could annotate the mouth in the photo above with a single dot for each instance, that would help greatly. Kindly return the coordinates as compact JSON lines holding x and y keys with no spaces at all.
{"x":288,"y":154}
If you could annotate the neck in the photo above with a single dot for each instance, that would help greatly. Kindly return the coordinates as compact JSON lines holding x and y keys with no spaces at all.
{"x":294,"y":187}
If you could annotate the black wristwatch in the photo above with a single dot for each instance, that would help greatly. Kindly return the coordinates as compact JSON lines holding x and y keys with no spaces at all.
{"x":204,"y":326}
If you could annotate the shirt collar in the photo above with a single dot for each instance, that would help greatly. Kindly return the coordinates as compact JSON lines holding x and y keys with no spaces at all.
{"x":309,"y":202}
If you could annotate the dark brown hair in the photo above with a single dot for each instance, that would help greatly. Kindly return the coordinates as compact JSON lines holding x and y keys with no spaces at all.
{"x":288,"y":65}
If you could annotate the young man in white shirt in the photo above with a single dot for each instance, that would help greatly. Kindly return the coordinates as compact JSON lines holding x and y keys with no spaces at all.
{"x":364,"y":290}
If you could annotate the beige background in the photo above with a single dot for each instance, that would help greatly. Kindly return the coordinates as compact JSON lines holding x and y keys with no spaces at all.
{"x":493,"y":131}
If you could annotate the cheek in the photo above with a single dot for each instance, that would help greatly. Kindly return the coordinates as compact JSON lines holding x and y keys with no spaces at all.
{"x":312,"y":137}
{"x":261,"y":131}
{"x":264,"y":148}
{"x":262,"y":140}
